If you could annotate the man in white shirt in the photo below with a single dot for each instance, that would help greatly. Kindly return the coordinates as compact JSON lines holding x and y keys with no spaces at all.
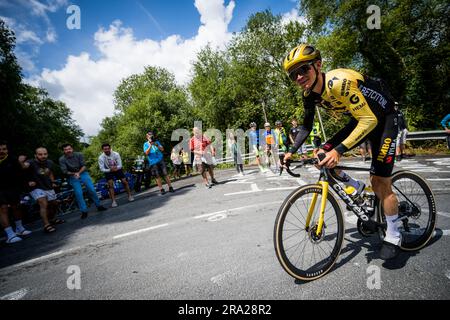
{"x":110,"y":164}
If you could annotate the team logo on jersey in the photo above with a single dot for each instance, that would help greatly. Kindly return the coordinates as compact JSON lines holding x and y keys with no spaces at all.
{"x":330,"y":83}
{"x":354,"y":99}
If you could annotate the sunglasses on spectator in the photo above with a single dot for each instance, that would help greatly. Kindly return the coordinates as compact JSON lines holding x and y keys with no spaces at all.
{"x":300,"y":70}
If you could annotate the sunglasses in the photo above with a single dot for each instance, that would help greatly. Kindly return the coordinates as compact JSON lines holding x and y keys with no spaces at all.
{"x":300,"y":70}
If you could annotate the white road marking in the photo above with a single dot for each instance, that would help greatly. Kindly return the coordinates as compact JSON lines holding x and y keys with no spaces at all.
{"x":444,"y":232}
{"x":237,"y":209}
{"x":447,"y":274}
{"x":16,"y":295}
{"x":281,"y":189}
{"x":302,"y":182}
{"x":445,"y":214}
{"x":439,"y":179}
{"x":253,"y":186}
{"x":220,"y":278}
{"x":140,"y":231}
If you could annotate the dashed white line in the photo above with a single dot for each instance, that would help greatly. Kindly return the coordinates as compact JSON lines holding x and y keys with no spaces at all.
{"x":281,"y":188}
{"x":236,"y":209}
{"x":16,"y":295}
{"x":444,"y":214}
{"x":140,"y":231}
{"x":253,"y":186}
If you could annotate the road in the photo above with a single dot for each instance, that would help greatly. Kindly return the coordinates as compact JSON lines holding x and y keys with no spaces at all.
{"x":217,"y":243}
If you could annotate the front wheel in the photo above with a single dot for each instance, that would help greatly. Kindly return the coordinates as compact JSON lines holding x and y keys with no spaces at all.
{"x":417,"y":207}
{"x":301,"y":252}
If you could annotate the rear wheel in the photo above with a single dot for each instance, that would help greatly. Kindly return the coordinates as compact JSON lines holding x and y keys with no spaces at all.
{"x":301,"y":252}
{"x":418,"y":208}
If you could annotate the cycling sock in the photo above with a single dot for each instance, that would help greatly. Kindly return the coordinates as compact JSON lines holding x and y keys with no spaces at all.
{"x":9,"y":232}
{"x":392,"y":233}
{"x":19,"y":226}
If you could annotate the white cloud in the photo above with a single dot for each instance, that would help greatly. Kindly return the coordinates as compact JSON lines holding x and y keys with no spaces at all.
{"x":293,"y":15}
{"x":87,"y":85}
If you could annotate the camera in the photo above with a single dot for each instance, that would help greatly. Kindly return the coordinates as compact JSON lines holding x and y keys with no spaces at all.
{"x":151,"y":139}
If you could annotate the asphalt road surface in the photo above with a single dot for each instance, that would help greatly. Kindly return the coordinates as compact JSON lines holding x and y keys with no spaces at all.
{"x":217,"y":243}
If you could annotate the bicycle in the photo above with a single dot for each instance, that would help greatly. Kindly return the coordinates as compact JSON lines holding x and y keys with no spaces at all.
{"x":320,"y":234}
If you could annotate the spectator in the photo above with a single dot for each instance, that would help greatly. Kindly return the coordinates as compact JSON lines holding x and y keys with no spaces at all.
{"x":154,"y":151}
{"x":175,"y":156}
{"x":203,"y":152}
{"x":253,"y":137}
{"x":281,"y":137}
{"x":72,"y":164}
{"x":110,"y":164}
{"x":11,"y":185}
{"x":365,"y":150}
{"x":402,"y":133}
{"x":41,"y":181}
{"x":303,"y":151}
{"x":316,"y":137}
{"x":236,"y":150}
{"x":186,"y":161}
{"x":445,"y":124}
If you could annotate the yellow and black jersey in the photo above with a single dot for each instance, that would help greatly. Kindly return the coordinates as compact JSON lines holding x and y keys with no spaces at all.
{"x":366,"y":99}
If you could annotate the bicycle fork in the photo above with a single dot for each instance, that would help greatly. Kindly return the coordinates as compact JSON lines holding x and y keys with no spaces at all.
{"x":312,"y":208}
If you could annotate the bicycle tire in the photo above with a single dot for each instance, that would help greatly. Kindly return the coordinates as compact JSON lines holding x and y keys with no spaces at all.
{"x":318,"y":269}
{"x":423,"y":199}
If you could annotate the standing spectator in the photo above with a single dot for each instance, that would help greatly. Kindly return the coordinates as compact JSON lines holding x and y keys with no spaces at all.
{"x":203,"y":152}
{"x":402,"y":133}
{"x":41,"y":181}
{"x":253,"y":137}
{"x":365,"y":150}
{"x":303,"y":151}
{"x":237,"y":156}
{"x":110,"y":164}
{"x":187,"y":162}
{"x":281,"y":136}
{"x":11,"y":185}
{"x":72,"y":164}
{"x":445,"y":124}
{"x":175,"y":156}
{"x":154,"y":151}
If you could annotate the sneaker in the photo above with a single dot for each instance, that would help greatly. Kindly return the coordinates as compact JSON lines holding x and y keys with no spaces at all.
{"x":130,"y":199}
{"x":208,"y":186}
{"x":171,"y":190}
{"x":23,"y":232}
{"x":389,"y":251}
{"x":84,"y":215}
{"x":398,"y":158}
{"x":214,"y":181}
{"x":114,"y":204}
{"x":101,"y":208}
{"x":14,"y":239}
{"x":163,"y":191}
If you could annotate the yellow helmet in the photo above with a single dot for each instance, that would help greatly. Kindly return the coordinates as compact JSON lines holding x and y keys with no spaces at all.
{"x":300,"y":54}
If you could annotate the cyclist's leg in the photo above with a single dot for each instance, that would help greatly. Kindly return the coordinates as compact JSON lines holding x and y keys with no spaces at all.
{"x":382,"y":165}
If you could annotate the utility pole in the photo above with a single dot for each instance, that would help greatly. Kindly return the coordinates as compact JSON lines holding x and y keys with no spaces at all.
{"x":264,"y":110}
{"x":321,"y":123}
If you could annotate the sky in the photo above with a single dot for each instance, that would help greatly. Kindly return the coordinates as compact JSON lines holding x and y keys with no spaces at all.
{"x":114,"y":39}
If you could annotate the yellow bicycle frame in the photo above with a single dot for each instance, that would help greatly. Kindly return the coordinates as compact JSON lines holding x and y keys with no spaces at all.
{"x":311,"y":209}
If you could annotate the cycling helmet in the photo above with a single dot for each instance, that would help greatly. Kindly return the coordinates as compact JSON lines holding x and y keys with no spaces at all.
{"x":267,"y":124}
{"x":253,"y":124}
{"x":278,"y":123}
{"x":299,"y":55}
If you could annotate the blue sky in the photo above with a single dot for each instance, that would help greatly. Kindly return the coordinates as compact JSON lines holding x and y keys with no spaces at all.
{"x":118,"y":38}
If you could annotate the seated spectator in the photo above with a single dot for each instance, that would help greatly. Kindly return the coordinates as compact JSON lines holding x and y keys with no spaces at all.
{"x":11,"y":186}
{"x":41,"y":181}
{"x":154,"y":151}
{"x":110,"y":163}
{"x":72,"y":164}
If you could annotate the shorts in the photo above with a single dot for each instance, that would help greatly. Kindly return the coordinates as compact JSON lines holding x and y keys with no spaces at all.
{"x":117,"y":175}
{"x":159,"y":169}
{"x":10,"y":197}
{"x":256,"y":150}
{"x":383,"y":139}
{"x":365,"y":145}
{"x":401,"y":137}
{"x":39,"y":193}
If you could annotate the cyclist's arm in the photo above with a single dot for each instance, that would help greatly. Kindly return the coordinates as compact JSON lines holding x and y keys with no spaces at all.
{"x":305,"y":129}
{"x":360,"y":110}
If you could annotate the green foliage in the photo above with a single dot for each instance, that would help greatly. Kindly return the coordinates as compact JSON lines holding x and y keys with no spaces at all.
{"x":29,"y":118}
{"x":148,"y":101}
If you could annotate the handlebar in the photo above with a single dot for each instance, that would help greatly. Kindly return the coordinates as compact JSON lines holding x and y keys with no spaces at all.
{"x":287,"y":165}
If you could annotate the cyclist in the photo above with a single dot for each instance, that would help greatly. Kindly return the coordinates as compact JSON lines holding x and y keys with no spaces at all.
{"x":372,"y":116}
